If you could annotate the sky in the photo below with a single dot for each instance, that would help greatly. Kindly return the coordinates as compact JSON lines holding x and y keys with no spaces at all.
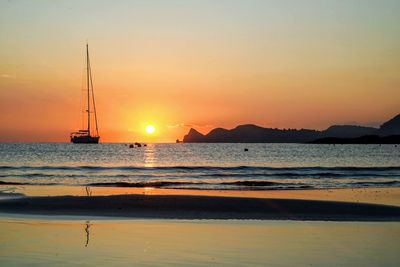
{"x":201,"y":64}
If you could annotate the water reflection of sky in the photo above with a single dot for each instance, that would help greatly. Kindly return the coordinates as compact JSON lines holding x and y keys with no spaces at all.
{"x":42,"y":242}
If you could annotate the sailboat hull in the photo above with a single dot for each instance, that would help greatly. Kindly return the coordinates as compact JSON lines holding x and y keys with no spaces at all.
{"x":86,"y":139}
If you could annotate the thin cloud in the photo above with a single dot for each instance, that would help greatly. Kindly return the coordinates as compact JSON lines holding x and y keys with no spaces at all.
{"x":181,"y":125}
{"x":6,"y":76}
{"x":176,"y":125}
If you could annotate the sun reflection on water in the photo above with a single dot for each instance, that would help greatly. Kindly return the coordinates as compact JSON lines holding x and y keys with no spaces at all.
{"x":149,"y":156}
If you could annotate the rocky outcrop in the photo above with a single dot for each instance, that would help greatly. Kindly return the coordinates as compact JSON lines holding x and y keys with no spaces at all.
{"x":391,"y":127}
{"x":194,"y":136}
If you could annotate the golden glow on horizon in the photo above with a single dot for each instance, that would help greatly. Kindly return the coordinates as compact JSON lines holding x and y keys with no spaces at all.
{"x":150,"y":129}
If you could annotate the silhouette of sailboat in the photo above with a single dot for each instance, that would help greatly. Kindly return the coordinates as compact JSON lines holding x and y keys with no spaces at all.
{"x":88,"y":135}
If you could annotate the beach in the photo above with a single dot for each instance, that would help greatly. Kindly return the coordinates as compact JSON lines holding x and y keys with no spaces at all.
{"x":62,"y":226}
{"x":377,"y":195}
{"x":175,"y":206}
{"x":162,"y":227}
{"x":71,"y":241}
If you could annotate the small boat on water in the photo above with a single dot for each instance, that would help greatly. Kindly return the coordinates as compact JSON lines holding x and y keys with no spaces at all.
{"x":88,"y":135}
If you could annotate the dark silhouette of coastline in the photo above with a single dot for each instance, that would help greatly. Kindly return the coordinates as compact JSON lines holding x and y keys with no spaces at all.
{"x":250,"y":133}
{"x":366,"y":139}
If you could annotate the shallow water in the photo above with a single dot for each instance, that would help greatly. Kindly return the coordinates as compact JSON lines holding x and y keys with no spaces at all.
{"x":95,"y":242}
{"x":202,"y":166}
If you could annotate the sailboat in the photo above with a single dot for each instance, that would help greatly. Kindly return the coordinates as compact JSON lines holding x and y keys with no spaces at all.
{"x":88,"y":135}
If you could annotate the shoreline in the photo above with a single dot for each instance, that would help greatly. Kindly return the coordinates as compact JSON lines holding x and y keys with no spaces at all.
{"x":192,"y":207}
{"x":371,"y":195}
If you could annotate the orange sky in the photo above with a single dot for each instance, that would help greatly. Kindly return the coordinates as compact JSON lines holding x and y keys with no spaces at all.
{"x":201,"y":64}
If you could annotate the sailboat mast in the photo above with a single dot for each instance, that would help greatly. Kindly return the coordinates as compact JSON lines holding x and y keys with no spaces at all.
{"x":88,"y":88}
{"x":93,"y":101}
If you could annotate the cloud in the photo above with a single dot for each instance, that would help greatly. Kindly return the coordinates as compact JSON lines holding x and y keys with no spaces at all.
{"x":5,"y":75}
{"x":176,"y":125}
{"x":180,"y":125}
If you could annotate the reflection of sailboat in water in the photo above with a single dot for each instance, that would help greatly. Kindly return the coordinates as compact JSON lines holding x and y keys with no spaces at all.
{"x":86,"y":135}
{"x":87,"y":227}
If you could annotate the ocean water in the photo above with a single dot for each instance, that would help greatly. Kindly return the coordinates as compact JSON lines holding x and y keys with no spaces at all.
{"x":201,"y":166}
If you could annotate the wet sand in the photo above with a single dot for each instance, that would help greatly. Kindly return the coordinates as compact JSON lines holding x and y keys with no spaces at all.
{"x":61,"y":242}
{"x":200,"y":207}
{"x":380,"y":195}
{"x":60,"y":226}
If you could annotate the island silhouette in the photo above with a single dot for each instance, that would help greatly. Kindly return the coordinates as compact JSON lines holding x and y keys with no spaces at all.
{"x":387,"y":133}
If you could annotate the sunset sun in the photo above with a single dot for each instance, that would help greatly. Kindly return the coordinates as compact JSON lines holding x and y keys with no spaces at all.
{"x":150,"y":129}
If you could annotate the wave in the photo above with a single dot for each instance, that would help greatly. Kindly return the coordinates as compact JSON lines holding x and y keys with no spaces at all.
{"x":195,"y":172}
{"x":379,"y":183}
{"x":12,"y":183}
{"x":235,"y":185}
{"x":143,"y":184}
{"x":200,"y":185}
{"x":168,"y":184}
{"x":247,"y":185}
{"x":25,"y":183}
{"x":202,"y":168}
{"x":203,"y":177}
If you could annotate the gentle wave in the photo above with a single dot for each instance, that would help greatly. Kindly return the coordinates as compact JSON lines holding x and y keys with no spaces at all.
{"x":209,"y":175}
{"x":248,"y":185}
{"x":198,"y":172}
{"x":169,"y":184}
{"x":236,"y":185}
{"x":193,"y":168}
{"x":220,"y":171}
{"x":25,"y":183}
{"x":203,"y":177}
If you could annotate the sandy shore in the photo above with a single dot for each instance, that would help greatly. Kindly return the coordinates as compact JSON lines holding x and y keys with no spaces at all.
{"x":379,"y":195}
{"x":200,"y":207}
{"x":38,"y":241}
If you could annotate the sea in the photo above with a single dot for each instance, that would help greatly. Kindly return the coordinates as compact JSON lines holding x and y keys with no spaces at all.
{"x":223,"y":166}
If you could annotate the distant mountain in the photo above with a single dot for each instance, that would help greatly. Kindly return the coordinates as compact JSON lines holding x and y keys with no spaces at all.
{"x":255,"y":134}
{"x":250,"y":133}
{"x":349,"y":131}
{"x":390,"y":127}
